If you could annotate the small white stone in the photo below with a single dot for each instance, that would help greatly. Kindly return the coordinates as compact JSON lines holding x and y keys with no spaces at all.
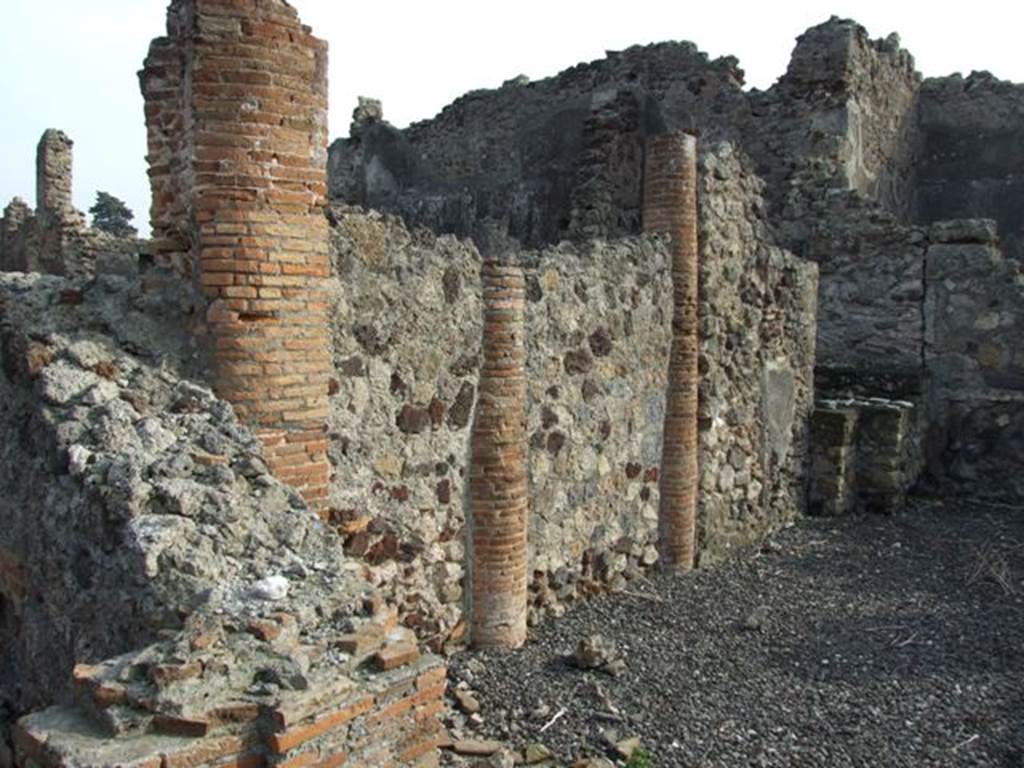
{"x":271,"y":588}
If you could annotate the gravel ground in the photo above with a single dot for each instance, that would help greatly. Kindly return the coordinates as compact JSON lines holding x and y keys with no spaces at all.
{"x":854,"y":642}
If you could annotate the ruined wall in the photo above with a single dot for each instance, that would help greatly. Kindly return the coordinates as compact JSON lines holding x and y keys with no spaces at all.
{"x":407,"y":352}
{"x":177,"y":602}
{"x":407,"y":346}
{"x":972,"y":136}
{"x":539,"y":161}
{"x":872,"y":288}
{"x":842,"y":118}
{"x":974,"y":316}
{"x":236,"y":107}
{"x":757,"y":315}
{"x":54,"y":238}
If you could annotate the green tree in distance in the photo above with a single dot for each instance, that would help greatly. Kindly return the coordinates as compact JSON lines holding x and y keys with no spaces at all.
{"x":111,"y":215}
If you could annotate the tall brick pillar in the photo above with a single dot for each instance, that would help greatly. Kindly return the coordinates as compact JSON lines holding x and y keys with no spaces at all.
{"x":53,"y":179}
{"x":236,"y":110}
{"x":498,"y":492}
{"x":670,"y":207}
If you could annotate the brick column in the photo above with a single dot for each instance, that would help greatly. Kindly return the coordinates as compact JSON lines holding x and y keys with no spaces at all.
{"x":236,"y":108}
{"x":670,"y":207}
{"x":498,"y":500}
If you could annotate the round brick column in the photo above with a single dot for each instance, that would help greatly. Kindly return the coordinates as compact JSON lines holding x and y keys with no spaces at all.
{"x":236,"y":105}
{"x":670,"y":207}
{"x":498,"y":490}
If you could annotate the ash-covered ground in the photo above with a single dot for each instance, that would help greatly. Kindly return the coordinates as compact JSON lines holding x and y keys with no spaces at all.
{"x":844,"y":642}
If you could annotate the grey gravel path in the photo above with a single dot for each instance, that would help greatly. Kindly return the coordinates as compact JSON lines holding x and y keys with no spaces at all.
{"x":881,"y":642}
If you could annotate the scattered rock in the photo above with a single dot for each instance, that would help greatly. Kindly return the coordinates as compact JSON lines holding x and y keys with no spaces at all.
{"x":598,"y":652}
{"x":476,"y":747}
{"x":466,"y":701}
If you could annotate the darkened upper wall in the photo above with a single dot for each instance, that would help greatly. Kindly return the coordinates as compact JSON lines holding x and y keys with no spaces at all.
{"x":972,"y":153}
{"x":562,"y":157}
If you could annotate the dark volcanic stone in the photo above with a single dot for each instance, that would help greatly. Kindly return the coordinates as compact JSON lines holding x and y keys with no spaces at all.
{"x":412,"y":420}
{"x":578,"y":361}
{"x":458,"y":414}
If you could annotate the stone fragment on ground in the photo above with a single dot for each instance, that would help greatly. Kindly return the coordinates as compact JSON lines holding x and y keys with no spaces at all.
{"x":599,"y":653}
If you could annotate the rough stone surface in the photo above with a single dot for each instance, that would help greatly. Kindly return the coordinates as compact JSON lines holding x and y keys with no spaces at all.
{"x":594,"y":429}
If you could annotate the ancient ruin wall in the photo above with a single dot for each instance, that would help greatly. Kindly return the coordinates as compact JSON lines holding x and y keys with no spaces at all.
{"x":971,"y":134}
{"x":757,"y":352}
{"x":841,"y":119}
{"x":169,"y":596}
{"x":407,"y":352}
{"x":54,"y":238}
{"x":540,"y":161}
{"x":407,"y":356}
{"x":236,"y":102}
{"x":974,"y":337}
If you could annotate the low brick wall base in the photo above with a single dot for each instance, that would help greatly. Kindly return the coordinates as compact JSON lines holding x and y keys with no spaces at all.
{"x":388,"y":718}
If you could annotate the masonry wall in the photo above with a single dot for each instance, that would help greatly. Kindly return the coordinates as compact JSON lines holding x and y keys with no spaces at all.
{"x":757,"y":355}
{"x":236,"y":103}
{"x":407,"y":345}
{"x":972,"y":134}
{"x":842,"y":118}
{"x":407,"y":354}
{"x":974,"y":315}
{"x":539,"y":161}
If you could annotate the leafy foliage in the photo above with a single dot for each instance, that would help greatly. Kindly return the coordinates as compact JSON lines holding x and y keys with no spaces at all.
{"x":111,"y":215}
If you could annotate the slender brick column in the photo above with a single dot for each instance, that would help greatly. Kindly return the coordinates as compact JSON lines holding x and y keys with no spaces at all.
{"x":498,"y":492}
{"x":670,"y":207}
{"x":236,"y":109}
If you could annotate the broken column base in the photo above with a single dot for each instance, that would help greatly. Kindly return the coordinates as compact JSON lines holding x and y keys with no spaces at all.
{"x":862,"y":456}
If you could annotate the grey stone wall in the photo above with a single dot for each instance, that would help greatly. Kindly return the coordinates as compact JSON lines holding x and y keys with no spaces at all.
{"x":538,"y":161}
{"x":974,"y":317}
{"x":842,"y":118}
{"x":407,"y":341}
{"x":757,"y":337}
{"x":972,"y":164}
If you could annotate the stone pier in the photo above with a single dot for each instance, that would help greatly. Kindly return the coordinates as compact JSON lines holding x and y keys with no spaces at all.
{"x":498,"y":489}
{"x":670,"y":207}
{"x":236,"y":109}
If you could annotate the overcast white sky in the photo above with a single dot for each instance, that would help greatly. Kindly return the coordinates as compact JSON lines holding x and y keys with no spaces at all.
{"x":72,"y":64}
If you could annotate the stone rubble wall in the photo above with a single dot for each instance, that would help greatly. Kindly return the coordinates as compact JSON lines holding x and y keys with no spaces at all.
{"x":974,"y":354}
{"x":539,"y":161}
{"x":841,"y":119}
{"x":177,"y":601}
{"x":757,"y":315}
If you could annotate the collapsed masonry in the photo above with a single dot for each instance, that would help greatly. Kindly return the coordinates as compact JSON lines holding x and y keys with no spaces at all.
{"x":253,"y":455}
{"x":54,"y":238}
